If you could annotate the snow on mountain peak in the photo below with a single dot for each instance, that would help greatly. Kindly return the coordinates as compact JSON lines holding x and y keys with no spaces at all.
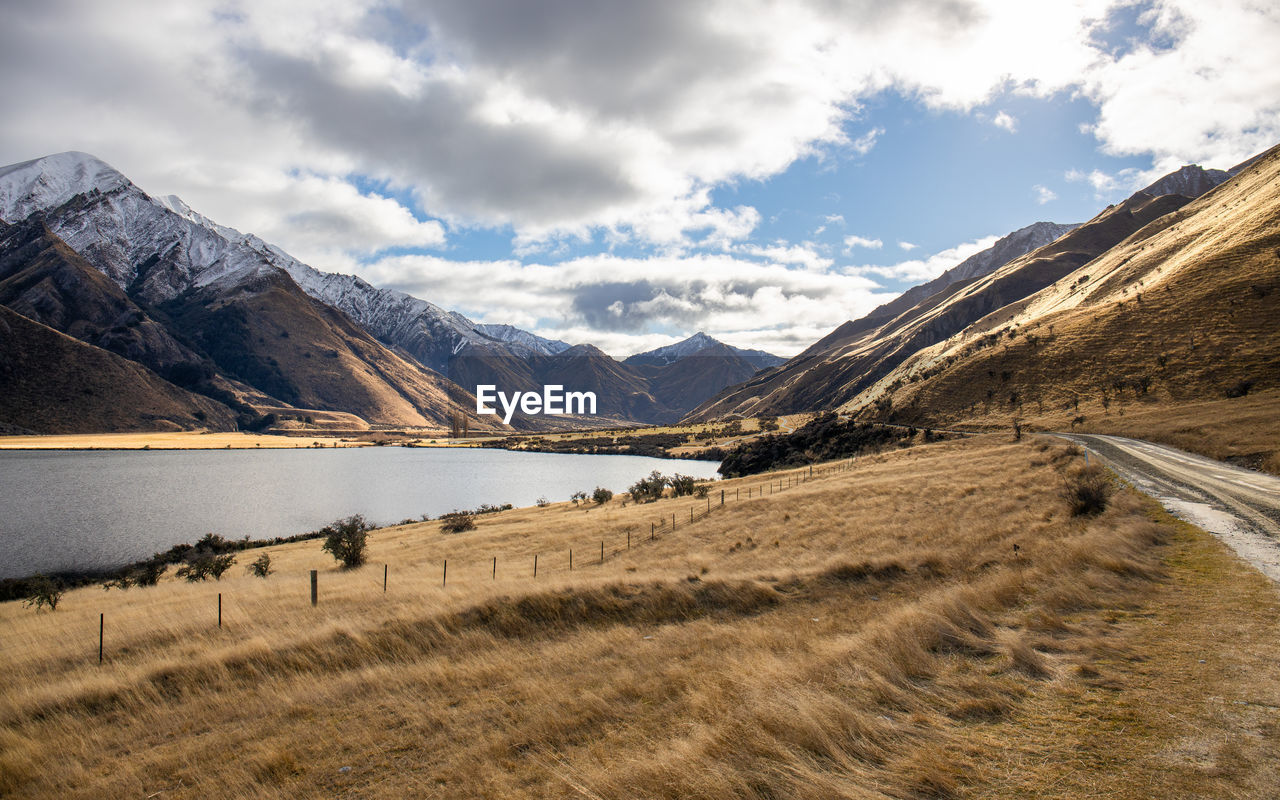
{"x":46,"y":183}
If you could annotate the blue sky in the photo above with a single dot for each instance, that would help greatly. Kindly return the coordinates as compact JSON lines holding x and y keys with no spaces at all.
{"x":627,"y":173}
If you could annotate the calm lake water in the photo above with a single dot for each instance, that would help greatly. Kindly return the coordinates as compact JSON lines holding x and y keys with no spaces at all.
{"x":80,"y":509}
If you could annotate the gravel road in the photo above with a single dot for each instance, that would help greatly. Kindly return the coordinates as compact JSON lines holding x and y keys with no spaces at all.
{"x":1239,"y":506}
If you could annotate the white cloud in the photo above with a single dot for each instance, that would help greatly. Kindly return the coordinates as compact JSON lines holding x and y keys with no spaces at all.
{"x":1210,"y":96}
{"x":1044,"y":194}
{"x":1105,"y":185}
{"x":1006,"y":121}
{"x":562,"y":122}
{"x":907,"y":246}
{"x":850,"y":242}
{"x":863,"y":144}
{"x":834,"y":219}
{"x":621,"y":304}
{"x":925,"y":269}
{"x":783,"y":253}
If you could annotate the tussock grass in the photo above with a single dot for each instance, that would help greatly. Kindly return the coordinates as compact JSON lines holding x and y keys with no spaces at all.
{"x":865,"y":634}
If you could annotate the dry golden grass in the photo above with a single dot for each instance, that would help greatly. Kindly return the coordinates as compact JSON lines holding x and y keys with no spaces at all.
{"x":869,"y":633}
{"x":171,"y":440}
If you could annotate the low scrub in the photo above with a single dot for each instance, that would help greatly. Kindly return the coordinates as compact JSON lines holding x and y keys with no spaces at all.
{"x":1087,"y":489}
{"x":457,"y":522}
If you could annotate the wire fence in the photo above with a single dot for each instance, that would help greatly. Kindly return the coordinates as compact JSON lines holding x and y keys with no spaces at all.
{"x":178,"y":614}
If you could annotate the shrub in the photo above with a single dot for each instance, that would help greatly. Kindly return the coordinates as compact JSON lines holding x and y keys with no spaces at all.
{"x":601,"y":495}
{"x":204,"y":565}
{"x":345,"y":540}
{"x":261,"y":567}
{"x":43,"y":591}
{"x":579,"y":497}
{"x":542,"y":502}
{"x":1239,"y":389}
{"x":701,"y":490}
{"x":457,"y":522}
{"x":1087,"y":490}
{"x":646,"y":490}
{"x":682,"y":485}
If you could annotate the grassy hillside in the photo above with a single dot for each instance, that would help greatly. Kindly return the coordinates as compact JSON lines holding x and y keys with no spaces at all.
{"x":56,"y":384}
{"x":872,"y":632}
{"x":1174,"y":334}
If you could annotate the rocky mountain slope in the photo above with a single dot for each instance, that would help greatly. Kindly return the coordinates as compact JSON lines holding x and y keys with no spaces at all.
{"x":200,"y":295}
{"x":1182,"y":313}
{"x":54,"y":383}
{"x":857,"y":355}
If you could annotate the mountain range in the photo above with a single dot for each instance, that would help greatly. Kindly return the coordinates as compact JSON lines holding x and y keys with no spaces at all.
{"x":841,"y":369}
{"x":1156,"y":319}
{"x":218,"y":316}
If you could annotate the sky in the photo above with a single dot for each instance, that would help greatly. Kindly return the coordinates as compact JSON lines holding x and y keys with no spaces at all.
{"x":625,"y":173}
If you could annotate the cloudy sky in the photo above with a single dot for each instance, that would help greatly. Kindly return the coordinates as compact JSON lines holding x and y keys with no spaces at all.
{"x":628,"y":173}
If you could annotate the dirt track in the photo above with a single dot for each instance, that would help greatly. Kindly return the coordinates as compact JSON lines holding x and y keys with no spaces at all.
{"x":1239,"y":506}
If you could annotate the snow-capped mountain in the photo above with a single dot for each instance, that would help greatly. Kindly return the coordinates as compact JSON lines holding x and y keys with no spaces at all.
{"x":162,"y":247}
{"x":513,"y":335}
{"x":698,"y":343}
{"x":262,"y":324}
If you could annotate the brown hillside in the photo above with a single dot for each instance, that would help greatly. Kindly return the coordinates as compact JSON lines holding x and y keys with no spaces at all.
{"x":266,"y":332}
{"x":1174,"y":330}
{"x":856,"y":355}
{"x":52,"y":383}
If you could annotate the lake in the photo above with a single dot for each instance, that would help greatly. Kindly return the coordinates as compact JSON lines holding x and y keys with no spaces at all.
{"x":93,"y":509}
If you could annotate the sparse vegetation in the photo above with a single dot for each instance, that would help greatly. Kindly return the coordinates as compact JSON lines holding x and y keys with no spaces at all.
{"x":346,"y":540}
{"x":1087,"y":488}
{"x":260,"y":567}
{"x":204,"y":564}
{"x":44,"y":592}
{"x":826,"y":437}
{"x":648,"y":489}
{"x":457,"y":522}
{"x":601,"y":495}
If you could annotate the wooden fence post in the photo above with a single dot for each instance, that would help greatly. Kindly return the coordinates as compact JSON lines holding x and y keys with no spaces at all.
{"x":101,"y":625}
{"x":384,"y":578}
{"x":535,"y":565}
{"x":219,"y":609}
{"x":602,"y":551}
{"x":444,"y":580}
{"x":315,"y":581}
{"x":495,"y":568}
{"x":571,"y":559}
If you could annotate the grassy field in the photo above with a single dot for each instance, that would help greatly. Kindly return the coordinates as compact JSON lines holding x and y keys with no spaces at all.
{"x":872,"y":632}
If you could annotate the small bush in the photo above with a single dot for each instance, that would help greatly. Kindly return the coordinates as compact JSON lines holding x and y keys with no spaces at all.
{"x":1239,"y":389}
{"x":345,"y":540}
{"x":1087,"y":490}
{"x":204,"y":565}
{"x":682,"y":485}
{"x":646,"y":490}
{"x":601,"y":495}
{"x":579,"y":497}
{"x":457,"y":522}
{"x":542,"y":502}
{"x":43,"y":591}
{"x":261,"y":567}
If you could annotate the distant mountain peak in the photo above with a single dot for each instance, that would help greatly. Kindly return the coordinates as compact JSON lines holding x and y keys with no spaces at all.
{"x":697,"y":343}
{"x":1189,"y":181}
{"x":48,"y":182}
